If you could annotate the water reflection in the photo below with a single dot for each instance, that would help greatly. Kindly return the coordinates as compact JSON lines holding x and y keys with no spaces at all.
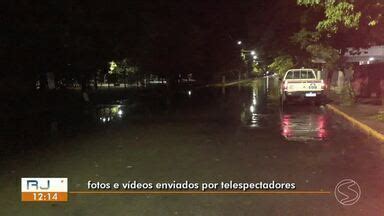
{"x":254,"y":113}
{"x":303,"y":123}
{"x":110,"y":113}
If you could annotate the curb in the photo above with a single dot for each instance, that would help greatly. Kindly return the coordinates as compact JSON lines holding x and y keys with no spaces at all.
{"x":363,"y":127}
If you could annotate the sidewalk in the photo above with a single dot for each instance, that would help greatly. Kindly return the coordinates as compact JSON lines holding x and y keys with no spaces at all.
{"x":367,"y":117}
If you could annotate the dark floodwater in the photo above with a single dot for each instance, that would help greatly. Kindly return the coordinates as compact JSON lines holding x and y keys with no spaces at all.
{"x":254,"y":106}
{"x":202,"y":134}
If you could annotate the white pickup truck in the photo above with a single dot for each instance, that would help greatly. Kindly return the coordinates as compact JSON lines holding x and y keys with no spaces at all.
{"x":302,"y":84}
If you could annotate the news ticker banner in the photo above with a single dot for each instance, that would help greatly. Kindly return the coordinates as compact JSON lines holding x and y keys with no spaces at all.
{"x":56,"y":189}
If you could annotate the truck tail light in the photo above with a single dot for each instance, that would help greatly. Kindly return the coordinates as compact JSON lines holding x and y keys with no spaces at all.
{"x":285,"y":85}
{"x":322,"y":84}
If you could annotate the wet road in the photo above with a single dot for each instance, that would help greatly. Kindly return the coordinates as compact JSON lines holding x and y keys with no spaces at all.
{"x":201,"y":135}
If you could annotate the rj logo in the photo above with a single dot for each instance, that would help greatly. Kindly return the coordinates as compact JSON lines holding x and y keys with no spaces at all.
{"x":37,"y":186}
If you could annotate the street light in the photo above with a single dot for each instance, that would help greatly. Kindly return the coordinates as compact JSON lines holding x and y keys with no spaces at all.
{"x":239,"y":42}
{"x":254,"y":57}
{"x":253,"y":52}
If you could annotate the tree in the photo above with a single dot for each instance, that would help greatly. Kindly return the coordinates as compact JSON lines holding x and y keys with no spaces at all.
{"x":352,"y":18}
{"x":281,"y":64}
{"x":317,"y":50}
{"x":123,"y":69}
{"x":346,"y":24}
{"x":337,"y":14}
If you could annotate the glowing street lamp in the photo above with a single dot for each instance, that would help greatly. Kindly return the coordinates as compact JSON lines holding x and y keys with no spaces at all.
{"x":253,"y":52}
{"x":239,"y":42}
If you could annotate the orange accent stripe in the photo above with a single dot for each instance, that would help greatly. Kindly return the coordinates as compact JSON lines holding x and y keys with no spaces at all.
{"x":44,"y":196}
{"x":202,"y":193}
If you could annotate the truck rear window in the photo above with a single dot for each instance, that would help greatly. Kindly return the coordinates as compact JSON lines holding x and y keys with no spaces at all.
{"x":300,"y":75}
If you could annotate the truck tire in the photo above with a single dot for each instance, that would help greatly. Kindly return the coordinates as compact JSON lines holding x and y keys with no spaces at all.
{"x":319,"y":102}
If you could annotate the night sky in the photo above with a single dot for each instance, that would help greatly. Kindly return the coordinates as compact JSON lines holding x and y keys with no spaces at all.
{"x":74,"y":39}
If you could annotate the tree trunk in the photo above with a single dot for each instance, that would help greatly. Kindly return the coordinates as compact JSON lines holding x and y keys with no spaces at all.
{"x":329,"y":78}
{"x":43,"y":81}
{"x":95,"y":82}
{"x":83,"y":84}
{"x":125,"y":80}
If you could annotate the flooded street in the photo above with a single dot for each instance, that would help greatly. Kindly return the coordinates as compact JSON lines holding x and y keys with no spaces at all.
{"x":239,"y":133}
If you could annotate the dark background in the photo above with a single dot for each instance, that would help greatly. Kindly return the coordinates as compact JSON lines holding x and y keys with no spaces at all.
{"x":75,"y":39}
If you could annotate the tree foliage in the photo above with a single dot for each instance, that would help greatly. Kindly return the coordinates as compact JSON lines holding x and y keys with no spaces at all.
{"x":345,"y":24}
{"x":359,"y":20}
{"x":122,"y":67}
{"x":281,"y":64}
{"x":337,"y":14}
{"x":325,"y":53}
{"x":305,"y":38}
